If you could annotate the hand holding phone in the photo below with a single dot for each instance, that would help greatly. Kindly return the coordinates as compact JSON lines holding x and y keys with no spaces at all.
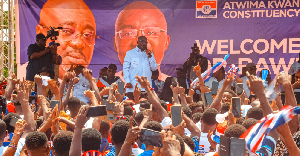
{"x":150,"y":137}
{"x":176,"y":115}
{"x":236,"y":106}
{"x":121,"y":87}
{"x":214,"y":88}
{"x":95,"y":111}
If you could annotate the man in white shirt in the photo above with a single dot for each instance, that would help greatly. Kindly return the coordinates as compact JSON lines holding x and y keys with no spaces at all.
{"x":138,"y":61}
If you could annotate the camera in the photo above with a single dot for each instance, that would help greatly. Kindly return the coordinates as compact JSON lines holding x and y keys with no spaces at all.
{"x":52,"y":34}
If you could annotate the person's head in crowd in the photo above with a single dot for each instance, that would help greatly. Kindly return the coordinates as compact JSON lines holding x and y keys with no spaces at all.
{"x":104,"y":129}
{"x":145,"y":104}
{"x":240,"y":120}
{"x":141,"y":18}
{"x":249,"y":123}
{"x":255,"y":103}
{"x":62,"y":143}
{"x":103,"y":72}
{"x":78,"y":69}
{"x":8,"y":118}
{"x":78,"y":20}
{"x":139,"y":118}
{"x":251,"y":68}
{"x":46,"y":71}
{"x":37,"y":144}
{"x":208,"y":121}
{"x":197,"y":107}
{"x":74,"y":105}
{"x":153,"y":125}
{"x":189,"y":141}
{"x":18,"y":107}
{"x":228,"y":94}
{"x":181,"y":72}
{"x":244,"y":69}
{"x":3,"y":103}
{"x":3,"y":131}
{"x":187,"y":111}
{"x":40,"y":40}
{"x":155,"y":74}
{"x":91,"y":139}
{"x":158,"y":151}
{"x":128,"y":110}
{"x":111,"y":71}
{"x":225,"y":107}
{"x":255,"y":113}
{"x":119,"y":132}
{"x":269,"y":79}
{"x":220,"y":74}
{"x":164,"y":104}
{"x":235,"y":130}
{"x":197,"y":117}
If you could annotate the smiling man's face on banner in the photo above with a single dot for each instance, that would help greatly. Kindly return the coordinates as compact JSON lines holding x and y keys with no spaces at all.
{"x":141,"y":19}
{"x":77,"y":38}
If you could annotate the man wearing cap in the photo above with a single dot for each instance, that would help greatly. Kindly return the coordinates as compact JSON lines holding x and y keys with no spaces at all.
{"x":39,"y":56}
{"x":138,"y":61}
{"x":110,"y":78}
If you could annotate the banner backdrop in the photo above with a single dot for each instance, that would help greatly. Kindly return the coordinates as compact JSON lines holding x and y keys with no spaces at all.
{"x":99,"y":32}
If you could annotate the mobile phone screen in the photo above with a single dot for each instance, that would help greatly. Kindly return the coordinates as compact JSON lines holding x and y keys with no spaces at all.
{"x":176,"y":115}
{"x":121,"y":87}
{"x":214,"y":88}
{"x":53,"y":103}
{"x":239,"y":88}
{"x":224,"y":146}
{"x":150,"y":137}
{"x":237,"y":147}
{"x":236,"y":106}
{"x":96,"y":111}
{"x":209,"y":98}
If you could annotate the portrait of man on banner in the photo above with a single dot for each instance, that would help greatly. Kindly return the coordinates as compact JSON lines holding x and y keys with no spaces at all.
{"x":141,"y":18}
{"x":76,"y":38}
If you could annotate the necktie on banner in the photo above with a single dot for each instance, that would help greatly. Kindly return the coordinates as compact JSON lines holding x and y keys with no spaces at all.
{"x":209,"y":72}
{"x":255,"y":136}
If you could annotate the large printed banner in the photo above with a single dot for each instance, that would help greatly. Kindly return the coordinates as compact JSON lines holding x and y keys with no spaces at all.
{"x":97,"y":33}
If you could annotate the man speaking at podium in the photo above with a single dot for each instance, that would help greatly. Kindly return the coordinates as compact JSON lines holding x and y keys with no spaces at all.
{"x":138,"y":61}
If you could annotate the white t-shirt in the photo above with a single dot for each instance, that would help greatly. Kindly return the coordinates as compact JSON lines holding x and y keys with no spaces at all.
{"x":89,"y":123}
{"x":20,"y":145}
{"x":136,"y":107}
{"x":166,"y":121}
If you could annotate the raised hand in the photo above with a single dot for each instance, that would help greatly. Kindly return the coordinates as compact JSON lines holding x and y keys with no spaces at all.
{"x":87,"y":74}
{"x":137,"y":91}
{"x":89,"y":94}
{"x":191,"y":92}
{"x":68,"y":75}
{"x":170,"y":144}
{"x":38,"y":80}
{"x":255,"y":84}
{"x":179,"y":129}
{"x":119,"y":109}
{"x":81,"y":116}
{"x":132,"y":133}
{"x":197,"y":69}
{"x":147,"y":113}
{"x":212,"y":143}
{"x":175,"y":90}
{"x":118,"y":96}
{"x":22,"y":95}
{"x":181,"y":90}
{"x":19,"y":126}
{"x":283,"y":78}
{"x":144,"y":83}
{"x":75,"y":80}
{"x":228,"y":81}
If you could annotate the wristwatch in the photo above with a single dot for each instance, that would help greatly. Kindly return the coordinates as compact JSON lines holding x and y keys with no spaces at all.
{"x":210,"y":148}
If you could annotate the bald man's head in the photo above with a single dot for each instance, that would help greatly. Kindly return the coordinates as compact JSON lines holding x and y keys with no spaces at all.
{"x":141,"y":18}
{"x":77,"y":38}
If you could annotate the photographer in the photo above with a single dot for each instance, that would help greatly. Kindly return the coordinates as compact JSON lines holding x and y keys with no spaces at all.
{"x":40,"y":56}
{"x":193,"y":60}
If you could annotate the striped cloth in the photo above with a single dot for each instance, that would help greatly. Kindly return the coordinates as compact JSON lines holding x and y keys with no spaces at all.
{"x":209,"y":72}
{"x":92,"y":153}
{"x":255,"y":136}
